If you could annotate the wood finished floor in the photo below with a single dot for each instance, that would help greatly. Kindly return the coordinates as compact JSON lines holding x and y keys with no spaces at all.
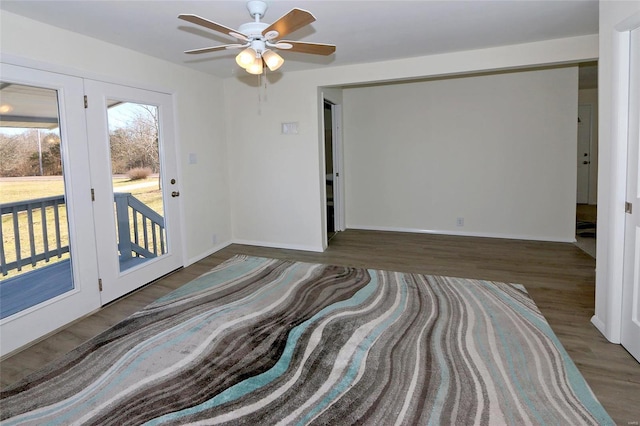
{"x":560,"y":277}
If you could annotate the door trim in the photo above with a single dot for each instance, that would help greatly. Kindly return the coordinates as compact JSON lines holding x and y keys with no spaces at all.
{"x":117,"y":283}
{"x":588,"y":128}
{"x":610,"y":266}
{"x":338,"y":167}
{"x":45,"y":318}
{"x":630,"y":317}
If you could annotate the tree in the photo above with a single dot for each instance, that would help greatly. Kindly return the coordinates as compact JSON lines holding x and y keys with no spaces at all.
{"x":48,"y":154}
{"x":9,"y":156}
{"x":19,"y":153}
{"x":135,"y":145}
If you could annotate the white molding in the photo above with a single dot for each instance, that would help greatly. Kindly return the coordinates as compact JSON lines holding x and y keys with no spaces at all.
{"x":599,"y":324}
{"x":209,"y":252}
{"x":464,"y":234}
{"x":278,"y":245}
{"x":614,"y":236}
{"x":629,"y":24}
{"x":613,"y":94}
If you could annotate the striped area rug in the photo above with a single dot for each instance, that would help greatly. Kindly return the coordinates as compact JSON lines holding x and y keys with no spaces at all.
{"x":261,"y":341}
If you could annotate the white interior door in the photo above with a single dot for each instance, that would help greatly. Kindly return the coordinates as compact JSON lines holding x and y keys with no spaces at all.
{"x":137,"y":219}
{"x":584,"y":153}
{"x":46,"y":231}
{"x":338,"y":184}
{"x":630,"y":337}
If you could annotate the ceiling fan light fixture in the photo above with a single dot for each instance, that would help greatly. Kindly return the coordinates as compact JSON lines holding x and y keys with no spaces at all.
{"x":272,"y":59}
{"x":246,"y":58}
{"x":260,"y":37}
{"x":256,"y":67}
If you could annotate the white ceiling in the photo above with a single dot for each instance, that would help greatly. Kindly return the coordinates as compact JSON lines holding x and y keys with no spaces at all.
{"x":364,"y":31}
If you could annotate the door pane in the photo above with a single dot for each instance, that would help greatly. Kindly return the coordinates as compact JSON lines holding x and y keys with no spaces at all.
{"x":35,"y":259}
{"x":137,"y":194}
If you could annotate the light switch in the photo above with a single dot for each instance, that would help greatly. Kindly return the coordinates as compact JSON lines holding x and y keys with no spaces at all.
{"x":290,"y":128}
{"x":193,"y":158}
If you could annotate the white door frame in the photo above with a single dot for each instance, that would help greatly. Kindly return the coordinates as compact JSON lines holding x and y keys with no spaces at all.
{"x":583,"y":182}
{"x":117,"y":283}
{"x":31,"y":324}
{"x":630,"y":324}
{"x":610,"y":265}
{"x":338,"y":165}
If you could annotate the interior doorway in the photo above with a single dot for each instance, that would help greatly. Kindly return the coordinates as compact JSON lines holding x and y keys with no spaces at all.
{"x":584,"y":153}
{"x":329,"y":169}
{"x":587,"y":158}
{"x":333,"y":167}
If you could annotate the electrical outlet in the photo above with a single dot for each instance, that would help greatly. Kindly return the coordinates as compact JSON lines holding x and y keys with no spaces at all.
{"x":460,"y":221}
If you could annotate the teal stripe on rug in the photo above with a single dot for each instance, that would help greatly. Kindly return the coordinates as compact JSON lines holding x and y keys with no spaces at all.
{"x":241,"y":389}
{"x":578,"y":385}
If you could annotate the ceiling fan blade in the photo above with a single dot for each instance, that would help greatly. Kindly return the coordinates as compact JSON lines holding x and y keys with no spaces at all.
{"x":292,"y":21}
{"x":198,"y":20}
{"x":215,"y":48}
{"x":313,"y":48}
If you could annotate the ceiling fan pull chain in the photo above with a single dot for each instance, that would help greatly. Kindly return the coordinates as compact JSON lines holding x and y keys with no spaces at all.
{"x":259,"y":97}
{"x":266,"y":99}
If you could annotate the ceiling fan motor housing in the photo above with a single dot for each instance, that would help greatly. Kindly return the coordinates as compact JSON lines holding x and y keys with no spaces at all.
{"x":257,"y":8}
{"x":253,"y":29}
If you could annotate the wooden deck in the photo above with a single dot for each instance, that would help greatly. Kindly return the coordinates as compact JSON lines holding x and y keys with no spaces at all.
{"x":31,"y":288}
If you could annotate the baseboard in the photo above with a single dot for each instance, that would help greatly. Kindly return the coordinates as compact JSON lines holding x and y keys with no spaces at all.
{"x":597,"y":322}
{"x":465,"y":234}
{"x":209,"y":252}
{"x":278,"y":245}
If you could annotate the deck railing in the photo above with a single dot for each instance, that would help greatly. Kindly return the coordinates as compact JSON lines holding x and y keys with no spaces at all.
{"x":140,"y":230}
{"x":49,"y":209}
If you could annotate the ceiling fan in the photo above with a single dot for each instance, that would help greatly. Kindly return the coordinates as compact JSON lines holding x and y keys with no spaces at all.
{"x":259,"y":38}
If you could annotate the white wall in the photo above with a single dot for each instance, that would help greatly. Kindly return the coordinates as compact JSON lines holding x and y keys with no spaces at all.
{"x":612,"y":102}
{"x":275,"y":179}
{"x":275,"y":188}
{"x":496,"y":150}
{"x":204,"y":187}
{"x":590,"y":97}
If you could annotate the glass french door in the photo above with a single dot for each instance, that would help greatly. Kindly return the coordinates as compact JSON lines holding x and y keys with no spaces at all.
{"x":47,"y":257}
{"x":135,"y":187}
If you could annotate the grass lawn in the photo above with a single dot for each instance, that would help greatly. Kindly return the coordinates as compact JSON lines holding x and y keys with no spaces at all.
{"x":18,"y":190}
{"x":25,"y":189}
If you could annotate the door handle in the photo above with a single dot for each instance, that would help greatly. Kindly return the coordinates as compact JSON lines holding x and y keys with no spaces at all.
{"x":586,"y":162}
{"x":175,"y":193}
